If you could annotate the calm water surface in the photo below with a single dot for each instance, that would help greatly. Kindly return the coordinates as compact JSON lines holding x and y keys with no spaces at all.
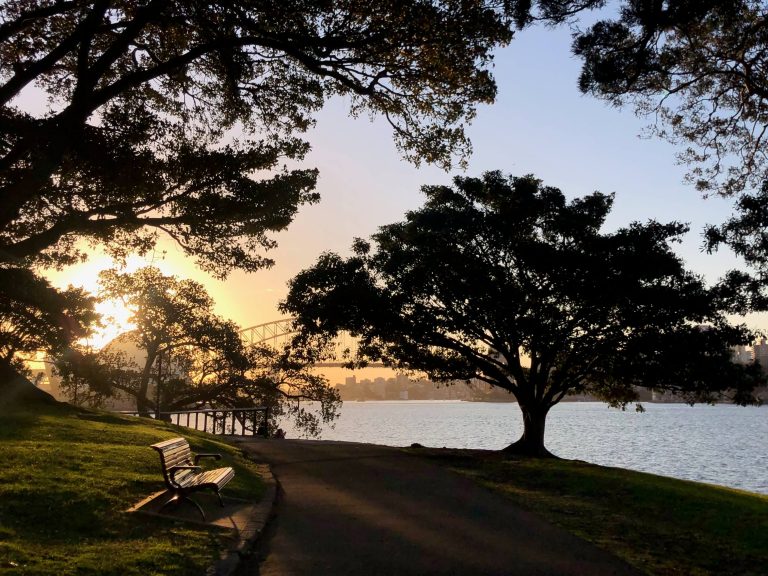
{"x":722,"y":444}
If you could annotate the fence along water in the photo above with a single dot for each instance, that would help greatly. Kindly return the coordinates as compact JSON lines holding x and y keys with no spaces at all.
{"x":220,"y":421}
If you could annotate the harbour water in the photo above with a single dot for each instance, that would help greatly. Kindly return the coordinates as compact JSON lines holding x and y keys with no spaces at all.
{"x":722,"y":444}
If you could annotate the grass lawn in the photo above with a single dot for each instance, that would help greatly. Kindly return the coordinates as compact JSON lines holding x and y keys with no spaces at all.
{"x":66,"y":477}
{"x":661,"y":525}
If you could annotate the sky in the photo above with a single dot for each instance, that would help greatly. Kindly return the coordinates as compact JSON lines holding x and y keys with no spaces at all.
{"x":540,"y":124}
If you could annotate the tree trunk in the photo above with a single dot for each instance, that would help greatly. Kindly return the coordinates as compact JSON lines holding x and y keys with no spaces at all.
{"x":16,"y":390}
{"x":143,"y":405}
{"x":531,"y":443}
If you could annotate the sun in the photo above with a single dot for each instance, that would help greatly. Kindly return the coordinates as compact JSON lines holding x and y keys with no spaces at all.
{"x":115,"y":316}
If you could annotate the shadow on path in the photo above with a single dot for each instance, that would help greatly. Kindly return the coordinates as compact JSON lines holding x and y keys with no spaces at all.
{"x":357,"y":509}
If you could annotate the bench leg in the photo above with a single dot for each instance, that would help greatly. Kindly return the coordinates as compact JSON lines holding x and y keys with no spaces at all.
{"x":220,"y":500}
{"x":178,"y":498}
{"x":200,"y":509}
{"x":173,"y":500}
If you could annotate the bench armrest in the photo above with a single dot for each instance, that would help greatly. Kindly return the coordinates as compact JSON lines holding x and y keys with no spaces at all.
{"x":214,"y":456}
{"x":173,"y":469}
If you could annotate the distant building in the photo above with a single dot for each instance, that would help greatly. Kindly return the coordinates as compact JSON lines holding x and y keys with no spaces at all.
{"x":742,"y":354}
{"x":402,"y":387}
{"x":379,"y":388}
{"x":760,"y":354}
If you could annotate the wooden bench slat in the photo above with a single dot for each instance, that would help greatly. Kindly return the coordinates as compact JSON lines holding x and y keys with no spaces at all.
{"x":177,"y":453}
{"x":220,"y":476}
{"x":178,"y":461}
{"x":167,"y":444}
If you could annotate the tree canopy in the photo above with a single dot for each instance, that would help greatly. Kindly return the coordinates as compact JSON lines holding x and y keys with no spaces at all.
{"x":700,"y":71}
{"x":174,"y":321}
{"x":35,"y":317}
{"x":701,"y":68}
{"x":180,"y":118}
{"x":28,"y":302}
{"x":697,"y":69}
{"x":181,"y":355}
{"x":144,"y":96}
{"x":504,"y":280}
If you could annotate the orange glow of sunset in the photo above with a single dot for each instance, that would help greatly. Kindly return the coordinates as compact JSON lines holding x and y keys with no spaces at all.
{"x":115,"y":320}
{"x":248,"y":299}
{"x":115,"y":315}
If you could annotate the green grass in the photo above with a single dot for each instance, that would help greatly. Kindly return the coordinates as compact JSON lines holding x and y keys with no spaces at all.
{"x":68,"y":475}
{"x":661,"y":525}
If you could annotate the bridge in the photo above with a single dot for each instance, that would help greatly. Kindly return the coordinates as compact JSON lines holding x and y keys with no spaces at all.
{"x":278,"y":333}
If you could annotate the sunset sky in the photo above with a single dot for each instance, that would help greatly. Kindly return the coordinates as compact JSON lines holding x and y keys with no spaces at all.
{"x":540,"y":124}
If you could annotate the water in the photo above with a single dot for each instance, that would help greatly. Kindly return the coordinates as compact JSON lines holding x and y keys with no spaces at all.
{"x":723,"y":444}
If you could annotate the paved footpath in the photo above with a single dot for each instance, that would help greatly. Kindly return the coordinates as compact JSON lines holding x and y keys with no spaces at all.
{"x":358,"y":509}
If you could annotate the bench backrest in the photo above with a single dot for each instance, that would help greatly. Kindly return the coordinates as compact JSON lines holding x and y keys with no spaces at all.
{"x":175,"y":452}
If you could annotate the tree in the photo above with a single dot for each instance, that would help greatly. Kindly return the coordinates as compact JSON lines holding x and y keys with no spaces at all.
{"x":144,"y":99}
{"x":699,"y":67}
{"x":35,"y":317}
{"x":189,"y":353}
{"x":191,"y":357}
{"x":700,"y":70}
{"x":91,"y":377}
{"x":503,"y":280}
{"x":143,"y":95}
{"x":745,"y":234}
{"x":284,"y":381}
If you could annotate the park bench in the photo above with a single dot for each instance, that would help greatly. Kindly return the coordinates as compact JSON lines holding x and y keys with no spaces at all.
{"x":183,"y":475}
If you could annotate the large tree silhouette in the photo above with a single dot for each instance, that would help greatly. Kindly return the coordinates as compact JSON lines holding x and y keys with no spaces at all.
{"x":174,"y":317}
{"x":142,"y":94}
{"x":177,"y":117}
{"x":503,"y":280}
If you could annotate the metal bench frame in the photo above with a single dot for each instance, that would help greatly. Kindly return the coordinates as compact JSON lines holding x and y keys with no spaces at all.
{"x":183,"y":476}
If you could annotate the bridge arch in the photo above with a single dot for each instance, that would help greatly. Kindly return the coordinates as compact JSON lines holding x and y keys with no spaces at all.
{"x":277,"y":334}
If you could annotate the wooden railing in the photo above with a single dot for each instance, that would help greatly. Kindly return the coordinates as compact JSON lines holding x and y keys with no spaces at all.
{"x":221,"y":421}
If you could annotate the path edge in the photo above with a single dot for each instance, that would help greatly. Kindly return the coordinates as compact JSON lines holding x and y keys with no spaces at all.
{"x":244,"y":541}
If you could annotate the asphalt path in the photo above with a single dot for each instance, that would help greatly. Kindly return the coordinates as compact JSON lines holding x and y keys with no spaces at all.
{"x":360,"y":509}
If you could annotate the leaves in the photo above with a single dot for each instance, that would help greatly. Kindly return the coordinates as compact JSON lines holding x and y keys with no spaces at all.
{"x":699,"y":68}
{"x":180,"y":118}
{"x":34,"y":316}
{"x":146,"y":97}
{"x":503,"y":279}
{"x":183,"y":355}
